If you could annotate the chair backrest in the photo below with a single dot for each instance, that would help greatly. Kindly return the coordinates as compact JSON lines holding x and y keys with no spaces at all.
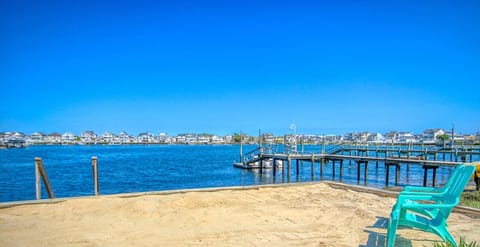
{"x":453,"y":190}
{"x":454,"y":176}
{"x":457,"y":186}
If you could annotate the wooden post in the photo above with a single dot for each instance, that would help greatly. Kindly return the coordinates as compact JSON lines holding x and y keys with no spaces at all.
{"x":358,"y":171}
{"x":288,"y":167}
{"x":387,"y":171}
{"x":297,"y":167}
{"x":321,"y":166}
{"x":43,"y":174}
{"x":241,"y":149}
{"x":95,"y":174}
{"x":260,"y":161}
{"x":313,"y":166}
{"x":341,"y":168}
{"x":274,"y":167}
{"x":365,"y":171}
{"x":397,"y":173}
{"x":38,"y":185}
{"x":302,"y":145}
{"x":350,"y":161}
{"x":333,"y":169}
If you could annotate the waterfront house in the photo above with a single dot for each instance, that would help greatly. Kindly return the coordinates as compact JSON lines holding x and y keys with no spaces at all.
{"x":54,"y":138}
{"x":37,"y":138}
{"x":228,"y":138}
{"x":217,"y":140}
{"x":190,"y":139}
{"x":288,"y":139}
{"x":107,"y":137}
{"x":163,"y":138}
{"x":376,"y":138}
{"x":88,"y":137}
{"x":68,"y":138}
{"x":146,"y":137}
{"x":405,"y":137}
{"x":430,"y":135}
{"x":181,"y":139}
{"x":125,"y":138}
{"x":333,"y":138}
{"x":203,"y":139}
{"x":390,"y":137}
{"x":348,"y":137}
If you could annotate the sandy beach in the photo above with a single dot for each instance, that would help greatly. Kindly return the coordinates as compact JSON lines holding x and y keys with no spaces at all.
{"x":318,"y":214}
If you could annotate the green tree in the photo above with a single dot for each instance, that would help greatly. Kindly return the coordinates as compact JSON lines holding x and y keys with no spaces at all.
{"x":237,"y":137}
{"x":443,"y":137}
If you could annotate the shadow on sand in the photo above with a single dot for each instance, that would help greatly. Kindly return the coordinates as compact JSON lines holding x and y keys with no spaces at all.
{"x":377,"y":235}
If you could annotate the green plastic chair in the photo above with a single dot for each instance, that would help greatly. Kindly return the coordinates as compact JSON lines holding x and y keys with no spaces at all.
{"x":429,"y":211}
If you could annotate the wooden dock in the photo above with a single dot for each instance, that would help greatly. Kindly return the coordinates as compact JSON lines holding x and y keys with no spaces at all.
{"x":429,"y":158}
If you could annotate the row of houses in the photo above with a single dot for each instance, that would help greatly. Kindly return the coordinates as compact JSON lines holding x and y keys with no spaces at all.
{"x":429,"y":136}
{"x":90,"y":137}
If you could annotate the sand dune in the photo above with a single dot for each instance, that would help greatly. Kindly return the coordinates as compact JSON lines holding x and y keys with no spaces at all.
{"x":299,"y":215}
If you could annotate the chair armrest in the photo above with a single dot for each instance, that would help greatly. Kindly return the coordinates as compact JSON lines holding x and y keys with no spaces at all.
{"x":427,"y":205}
{"x":418,"y":197}
{"x":426,"y":189}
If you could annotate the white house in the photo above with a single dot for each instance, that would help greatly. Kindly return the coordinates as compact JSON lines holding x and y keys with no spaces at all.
{"x":229,"y":138}
{"x":68,"y":138}
{"x":107,"y":137}
{"x":146,"y":137}
{"x":38,"y":137}
{"x":125,"y":138}
{"x":376,"y":138}
{"x":88,"y":137}
{"x":406,"y":137}
{"x":54,"y":138}
{"x":430,"y":135}
{"x":217,"y":140}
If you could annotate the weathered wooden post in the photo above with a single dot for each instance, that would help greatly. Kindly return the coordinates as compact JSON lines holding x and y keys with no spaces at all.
{"x":288,"y":167}
{"x":297,"y":167}
{"x":40,"y":171}
{"x":95,"y":174}
{"x":313,"y":166}
{"x":38,"y":187}
{"x":241,"y":149}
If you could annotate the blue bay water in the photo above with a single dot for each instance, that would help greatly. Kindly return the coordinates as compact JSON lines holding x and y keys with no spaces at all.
{"x":141,"y":168}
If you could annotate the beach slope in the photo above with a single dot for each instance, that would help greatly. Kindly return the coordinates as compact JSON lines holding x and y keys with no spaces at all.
{"x":298,"y":215}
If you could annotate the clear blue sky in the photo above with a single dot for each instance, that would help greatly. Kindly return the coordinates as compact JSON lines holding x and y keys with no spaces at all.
{"x":224,"y":66}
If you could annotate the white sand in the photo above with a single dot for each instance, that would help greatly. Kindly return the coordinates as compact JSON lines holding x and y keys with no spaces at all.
{"x":303,"y":215}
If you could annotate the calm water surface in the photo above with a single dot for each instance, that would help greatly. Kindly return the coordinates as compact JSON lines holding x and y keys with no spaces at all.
{"x":139,"y":168}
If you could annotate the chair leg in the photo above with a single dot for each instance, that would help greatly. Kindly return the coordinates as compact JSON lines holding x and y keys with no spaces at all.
{"x":392,"y":231}
{"x":445,"y":234}
{"x":451,"y":240}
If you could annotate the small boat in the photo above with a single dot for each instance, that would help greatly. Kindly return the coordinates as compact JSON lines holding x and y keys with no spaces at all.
{"x":266,"y":164}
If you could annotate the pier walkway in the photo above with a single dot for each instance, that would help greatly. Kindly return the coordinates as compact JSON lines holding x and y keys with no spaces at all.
{"x":429,"y":158}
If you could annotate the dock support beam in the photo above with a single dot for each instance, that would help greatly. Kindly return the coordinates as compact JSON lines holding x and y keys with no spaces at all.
{"x":289,"y":161}
{"x":313,"y":166}
{"x":365,"y":163}
{"x":425,"y":172}
{"x":387,"y":171}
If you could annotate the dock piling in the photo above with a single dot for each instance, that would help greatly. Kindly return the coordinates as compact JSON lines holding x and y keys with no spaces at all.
{"x":95,"y":174}
{"x":40,"y":172}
